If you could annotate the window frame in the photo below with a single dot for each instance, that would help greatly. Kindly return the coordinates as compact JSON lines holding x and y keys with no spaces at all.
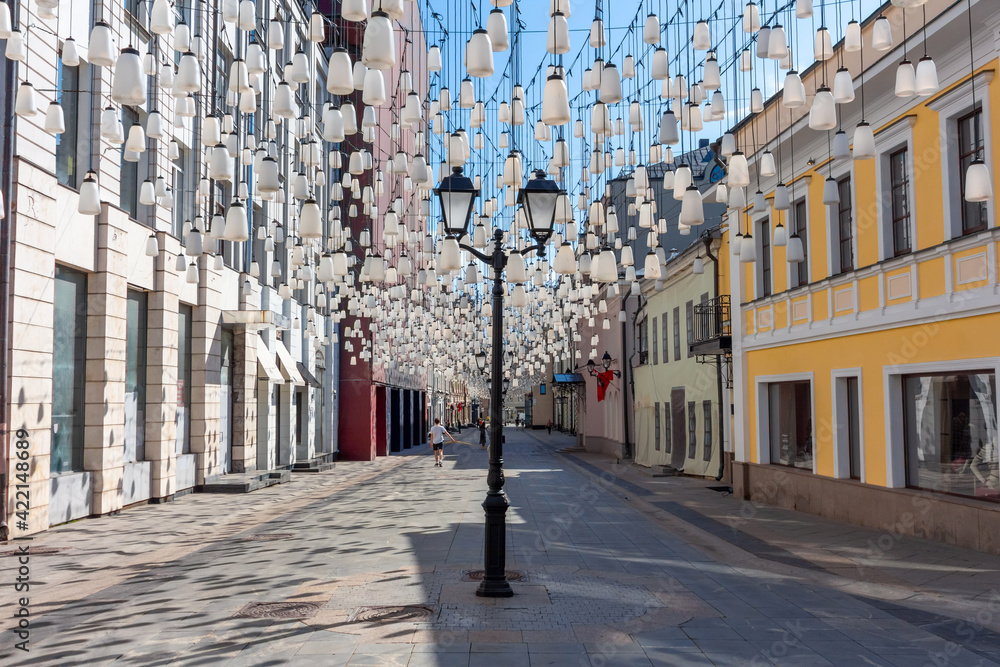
{"x":665,"y":335}
{"x":677,"y":333}
{"x":845,"y":210}
{"x":900,"y":219}
{"x":689,"y":316}
{"x":763,"y":432}
{"x":653,"y":335}
{"x":839,"y":378}
{"x":964,"y":160}
{"x":764,"y":265}
{"x":800,"y":227}
{"x":706,"y":409}
{"x":692,"y":418}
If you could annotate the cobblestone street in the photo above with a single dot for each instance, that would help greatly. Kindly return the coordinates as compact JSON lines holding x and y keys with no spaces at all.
{"x":374,"y":564}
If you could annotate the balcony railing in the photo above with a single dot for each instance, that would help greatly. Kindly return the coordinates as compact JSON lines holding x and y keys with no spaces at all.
{"x":713,"y":333}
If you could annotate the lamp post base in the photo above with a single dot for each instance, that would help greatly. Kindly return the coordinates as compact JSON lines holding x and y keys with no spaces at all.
{"x":494,"y":583}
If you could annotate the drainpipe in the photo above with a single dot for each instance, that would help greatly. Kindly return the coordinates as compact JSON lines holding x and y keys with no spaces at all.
{"x":718,"y":367}
{"x":6,"y":281}
{"x":625,"y":411}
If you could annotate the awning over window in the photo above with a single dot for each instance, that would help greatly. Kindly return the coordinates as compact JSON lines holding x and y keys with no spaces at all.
{"x":309,"y":377}
{"x":266,"y":368}
{"x":287,"y":364}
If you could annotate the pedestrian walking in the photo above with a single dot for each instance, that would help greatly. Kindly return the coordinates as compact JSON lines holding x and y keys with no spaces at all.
{"x":517,"y":423}
{"x":482,"y":434}
{"x":437,"y":441}
{"x":549,"y":426}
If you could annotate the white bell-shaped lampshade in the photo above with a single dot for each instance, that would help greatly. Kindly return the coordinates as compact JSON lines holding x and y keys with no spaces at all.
{"x":669,"y":133}
{"x":310,"y":220}
{"x":906,"y":80}
{"x":659,"y":69}
{"x":651,"y":30}
{"x":70,"y":53}
{"x":651,"y":267}
{"x":831,"y":193}
{"x":605,"y":269}
{"x":555,"y":102}
{"x":101,"y":49}
{"x":881,"y":34}
{"x":823,"y":113}
{"x":147,"y":195}
{"x":823,"y":45}
{"x":739,"y":171}
{"x":692,"y":207}
{"x":737,"y":198}
{"x":496,"y":26}
{"x":781,"y":202}
{"x":161,"y":18}
{"x":565,"y":261}
{"x":748,"y":249}
{"x":55,"y":120}
{"x":698,"y":266}
{"x":751,"y":18}
{"x":340,"y":73}
{"x":129,"y":85}
{"x":843,"y":86}
{"x":794,"y":92}
{"x":188,"y":78}
{"x":378,"y":50}
{"x":864,"y":142}
{"x":136,"y":141}
{"x":780,"y":237}
{"x":841,"y":149}
{"x":479,"y":55}
{"x":712,"y":76}
{"x":152,"y":247}
{"x":701,"y":40}
{"x":611,"y":85}
{"x":191,"y":274}
{"x":354,"y":10}
{"x":220,"y":164}
{"x":374,"y":90}
{"x":777,"y":43}
{"x":236,"y":223}
{"x":926,"y":77}
{"x":766,"y":167}
{"x":794,"y":250}
{"x":283,"y":105}
{"x":434,"y":59}
{"x":978,"y":184}
{"x":852,"y":37}
{"x":90,"y":196}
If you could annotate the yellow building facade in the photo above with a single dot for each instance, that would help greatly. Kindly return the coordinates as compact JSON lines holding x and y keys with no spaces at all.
{"x":865,"y":375}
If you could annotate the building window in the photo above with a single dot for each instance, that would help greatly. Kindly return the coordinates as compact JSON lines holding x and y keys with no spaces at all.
{"x":800,"y":226}
{"x":69,"y":361}
{"x":184,"y":195}
{"x":790,"y":424}
{"x":656,"y":426}
{"x":654,"y":347}
{"x":667,"y":445}
{"x":970,"y":147}
{"x":664,"y":321}
{"x":845,"y":225}
{"x":135,"y":378}
{"x":692,"y":430}
{"x":764,"y":265}
{"x":706,"y":408}
{"x":854,"y":425}
{"x":899,"y":189}
{"x":644,"y":342}
{"x":689,"y":307}
{"x":677,"y":334}
{"x":184,"y":318}
{"x":67,"y":149}
{"x":128,"y":192}
{"x":951,"y":433}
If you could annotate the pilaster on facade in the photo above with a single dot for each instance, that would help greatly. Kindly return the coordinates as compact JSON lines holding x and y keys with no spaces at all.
{"x":161,"y":371}
{"x":104,"y":433}
{"x":206,"y":374}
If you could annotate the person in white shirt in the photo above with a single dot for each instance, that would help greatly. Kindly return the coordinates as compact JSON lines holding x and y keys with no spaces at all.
{"x":437,"y":441}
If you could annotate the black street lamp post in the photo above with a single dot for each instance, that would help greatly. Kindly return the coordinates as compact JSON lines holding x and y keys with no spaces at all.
{"x":457,"y":194}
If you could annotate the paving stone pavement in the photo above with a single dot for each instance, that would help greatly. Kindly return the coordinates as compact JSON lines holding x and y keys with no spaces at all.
{"x":372,"y":564}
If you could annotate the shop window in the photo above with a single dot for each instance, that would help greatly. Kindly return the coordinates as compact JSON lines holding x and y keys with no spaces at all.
{"x":790,"y":423}
{"x":951,"y":433}
{"x":135,"y":377}
{"x":69,"y":361}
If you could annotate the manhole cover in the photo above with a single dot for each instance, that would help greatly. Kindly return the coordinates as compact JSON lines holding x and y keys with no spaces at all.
{"x":33,"y":551}
{"x":400,"y":614}
{"x":267,"y":537}
{"x":477,"y":575}
{"x":277,"y":610}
